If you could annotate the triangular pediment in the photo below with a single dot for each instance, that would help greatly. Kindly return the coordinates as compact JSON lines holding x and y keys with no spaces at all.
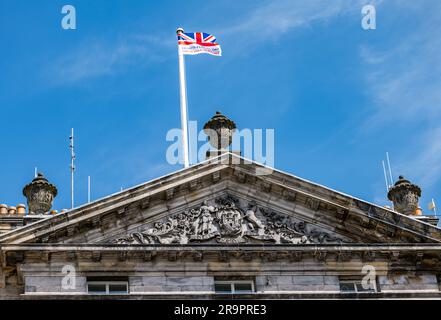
{"x":227,"y":201}
{"x":229,"y":219}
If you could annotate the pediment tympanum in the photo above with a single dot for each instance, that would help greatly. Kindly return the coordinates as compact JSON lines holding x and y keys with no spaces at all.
{"x":275,"y":208}
{"x":228,"y":220}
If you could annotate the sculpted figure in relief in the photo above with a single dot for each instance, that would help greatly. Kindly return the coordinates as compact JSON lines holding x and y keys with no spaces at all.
{"x":254,"y":222}
{"x":227,"y":222}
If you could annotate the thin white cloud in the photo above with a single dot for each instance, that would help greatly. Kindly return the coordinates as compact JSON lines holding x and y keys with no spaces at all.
{"x":273,"y":19}
{"x":99,"y":58}
{"x":266,"y":22}
{"x":404,"y":83}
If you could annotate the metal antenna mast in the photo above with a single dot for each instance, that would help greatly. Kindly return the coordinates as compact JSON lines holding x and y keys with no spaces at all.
{"x":386,"y":179}
{"x":72,"y":167}
{"x":390,"y":170}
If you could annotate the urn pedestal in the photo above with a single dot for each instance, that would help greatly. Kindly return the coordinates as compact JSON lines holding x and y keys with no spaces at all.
{"x":40,"y":195}
{"x":220,"y":130}
{"x":405,"y":196}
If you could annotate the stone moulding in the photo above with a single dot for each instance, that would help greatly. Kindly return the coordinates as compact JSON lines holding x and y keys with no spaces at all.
{"x":227,"y":222}
{"x":353,"y":218}
{"x":418,"y":257}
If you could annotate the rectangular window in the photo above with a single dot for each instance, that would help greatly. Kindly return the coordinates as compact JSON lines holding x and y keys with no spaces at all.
{"x":107,"y":286}
{"x":96,"y":288}
{"x":356,"y":286}
{"x":234,"y":286}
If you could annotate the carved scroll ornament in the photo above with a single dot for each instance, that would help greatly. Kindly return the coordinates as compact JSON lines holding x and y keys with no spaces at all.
{"x":228,"y":223}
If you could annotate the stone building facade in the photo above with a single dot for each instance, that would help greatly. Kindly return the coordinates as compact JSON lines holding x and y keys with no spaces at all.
{"x":223,"y":229}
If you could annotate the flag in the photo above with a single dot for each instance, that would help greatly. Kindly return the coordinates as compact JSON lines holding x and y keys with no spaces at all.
{"x":198,"y":42}
{"x":431,"y":205}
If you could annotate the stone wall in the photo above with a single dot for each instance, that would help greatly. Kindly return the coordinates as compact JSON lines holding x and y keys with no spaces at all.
{"x":53,"y":285}
{"x":163,"y":283}
{"x":316,"y":283}
{"x":400,"y":282}
{"x":142,"y":284}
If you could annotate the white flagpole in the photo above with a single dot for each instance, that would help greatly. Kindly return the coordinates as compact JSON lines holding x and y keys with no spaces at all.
{"x":183,"y":95}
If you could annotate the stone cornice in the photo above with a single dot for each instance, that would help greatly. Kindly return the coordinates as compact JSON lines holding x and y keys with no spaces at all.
{"x":111,"y":203}
{"x":363,"y":219}
{"x":405,"y":257}
{"x":400,"y":247}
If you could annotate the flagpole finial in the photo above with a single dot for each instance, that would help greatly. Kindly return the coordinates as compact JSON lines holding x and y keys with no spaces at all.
{"x":179,"y":30}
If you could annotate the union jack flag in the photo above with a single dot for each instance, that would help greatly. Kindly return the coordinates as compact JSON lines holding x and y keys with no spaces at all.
{"x":198,"y":42}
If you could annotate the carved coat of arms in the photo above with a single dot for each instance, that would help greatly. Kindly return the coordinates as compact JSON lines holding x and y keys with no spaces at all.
{"x":227,"y":222}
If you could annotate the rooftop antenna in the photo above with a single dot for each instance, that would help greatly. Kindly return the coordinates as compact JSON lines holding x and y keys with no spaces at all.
{"x":88,"y":189}
{"x":389,"y":184}
{"x":72,"y":167}
{"x":390,"y":170}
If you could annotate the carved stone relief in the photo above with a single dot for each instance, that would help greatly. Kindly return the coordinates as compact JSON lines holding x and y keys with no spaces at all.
{"x":228,"y":221}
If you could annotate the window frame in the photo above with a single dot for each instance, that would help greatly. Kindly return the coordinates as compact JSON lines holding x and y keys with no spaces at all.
{"x":356,"y":283}
{"x":108,"y":284}
{"x":232,"y":284}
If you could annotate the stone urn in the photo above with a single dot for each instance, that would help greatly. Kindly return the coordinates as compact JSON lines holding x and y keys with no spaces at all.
{"x":40,"y":195}
{"x":220,"y":130}
{"x":405,"y":196}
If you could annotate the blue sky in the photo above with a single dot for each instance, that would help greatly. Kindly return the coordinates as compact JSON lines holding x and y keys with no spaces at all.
{"x":337,"y":96}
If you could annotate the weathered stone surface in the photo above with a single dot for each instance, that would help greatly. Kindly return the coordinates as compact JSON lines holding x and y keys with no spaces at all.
{"x":52,"y":283}
{"x":343,"y":235}
{"x":406,"y":282}
{"x":405,"y":196}
{"x":40,"y":194}
{"x":228,"y":222}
